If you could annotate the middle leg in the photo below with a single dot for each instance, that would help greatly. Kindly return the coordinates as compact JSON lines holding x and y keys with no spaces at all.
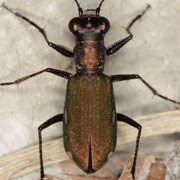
{"x":124,"y":77}
{"x":57,"y":72}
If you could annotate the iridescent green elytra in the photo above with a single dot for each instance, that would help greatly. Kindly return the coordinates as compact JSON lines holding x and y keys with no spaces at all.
{"x":89,"y":110}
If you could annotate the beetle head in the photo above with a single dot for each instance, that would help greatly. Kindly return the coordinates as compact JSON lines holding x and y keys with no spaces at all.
{"x":89,"y":21}
{"x":97,"y":10}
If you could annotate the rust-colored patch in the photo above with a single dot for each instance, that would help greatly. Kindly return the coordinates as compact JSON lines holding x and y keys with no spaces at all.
{"x":90,"y":58}
{"x":158,"y":171}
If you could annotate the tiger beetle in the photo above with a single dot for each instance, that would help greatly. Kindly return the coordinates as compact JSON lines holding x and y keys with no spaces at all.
{"x":89,"y":118}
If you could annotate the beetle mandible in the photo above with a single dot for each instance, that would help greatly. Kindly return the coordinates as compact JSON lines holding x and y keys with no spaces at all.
{"x":89,"y":118}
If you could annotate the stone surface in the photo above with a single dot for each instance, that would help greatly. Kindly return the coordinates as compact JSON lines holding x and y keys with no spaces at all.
{"x":153,"y":53}
{"x":172,"y":161}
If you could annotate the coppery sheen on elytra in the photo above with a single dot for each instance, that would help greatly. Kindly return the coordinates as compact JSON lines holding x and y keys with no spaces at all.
{"x":90,"y":110}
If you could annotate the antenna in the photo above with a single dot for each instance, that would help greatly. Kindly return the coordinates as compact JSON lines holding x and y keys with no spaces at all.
{"x":98,"y":9}
{"x":79,"y":8}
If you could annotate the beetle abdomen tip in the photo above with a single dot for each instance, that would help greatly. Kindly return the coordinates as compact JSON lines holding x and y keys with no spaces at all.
{"x":89,"y":171}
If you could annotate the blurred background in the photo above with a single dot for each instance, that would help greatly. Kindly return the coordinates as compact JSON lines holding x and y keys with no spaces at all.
{"x":154,"y":53}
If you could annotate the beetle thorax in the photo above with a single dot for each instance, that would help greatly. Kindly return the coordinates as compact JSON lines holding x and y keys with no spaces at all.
{"x":89,"y":57}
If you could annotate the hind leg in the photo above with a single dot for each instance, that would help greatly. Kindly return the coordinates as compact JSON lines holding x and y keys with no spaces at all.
{"x":131,"y":122}
{"x":51,"y":121}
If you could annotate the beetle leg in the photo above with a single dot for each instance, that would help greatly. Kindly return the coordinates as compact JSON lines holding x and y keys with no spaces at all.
{"x":61,"y":49}
{"x":131,"y":122}
{"x":46,"y":124}
{"x":119,"y":44}
{"x":57,"y":72}
{"x":123,"y":77}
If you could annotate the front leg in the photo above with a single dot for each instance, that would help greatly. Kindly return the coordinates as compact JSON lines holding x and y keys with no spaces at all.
{"x":124,"y":77}
{"x":61,"y":49}
{"x":119,"y":44}
{"x":57,"y":72}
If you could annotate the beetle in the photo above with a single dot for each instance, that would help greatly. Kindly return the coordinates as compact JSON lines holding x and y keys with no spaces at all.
{"x":89,"y":118}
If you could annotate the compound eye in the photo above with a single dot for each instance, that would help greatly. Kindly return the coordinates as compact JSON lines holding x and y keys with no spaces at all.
{"x":76,"y":27}
{"x":102,"y":27}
